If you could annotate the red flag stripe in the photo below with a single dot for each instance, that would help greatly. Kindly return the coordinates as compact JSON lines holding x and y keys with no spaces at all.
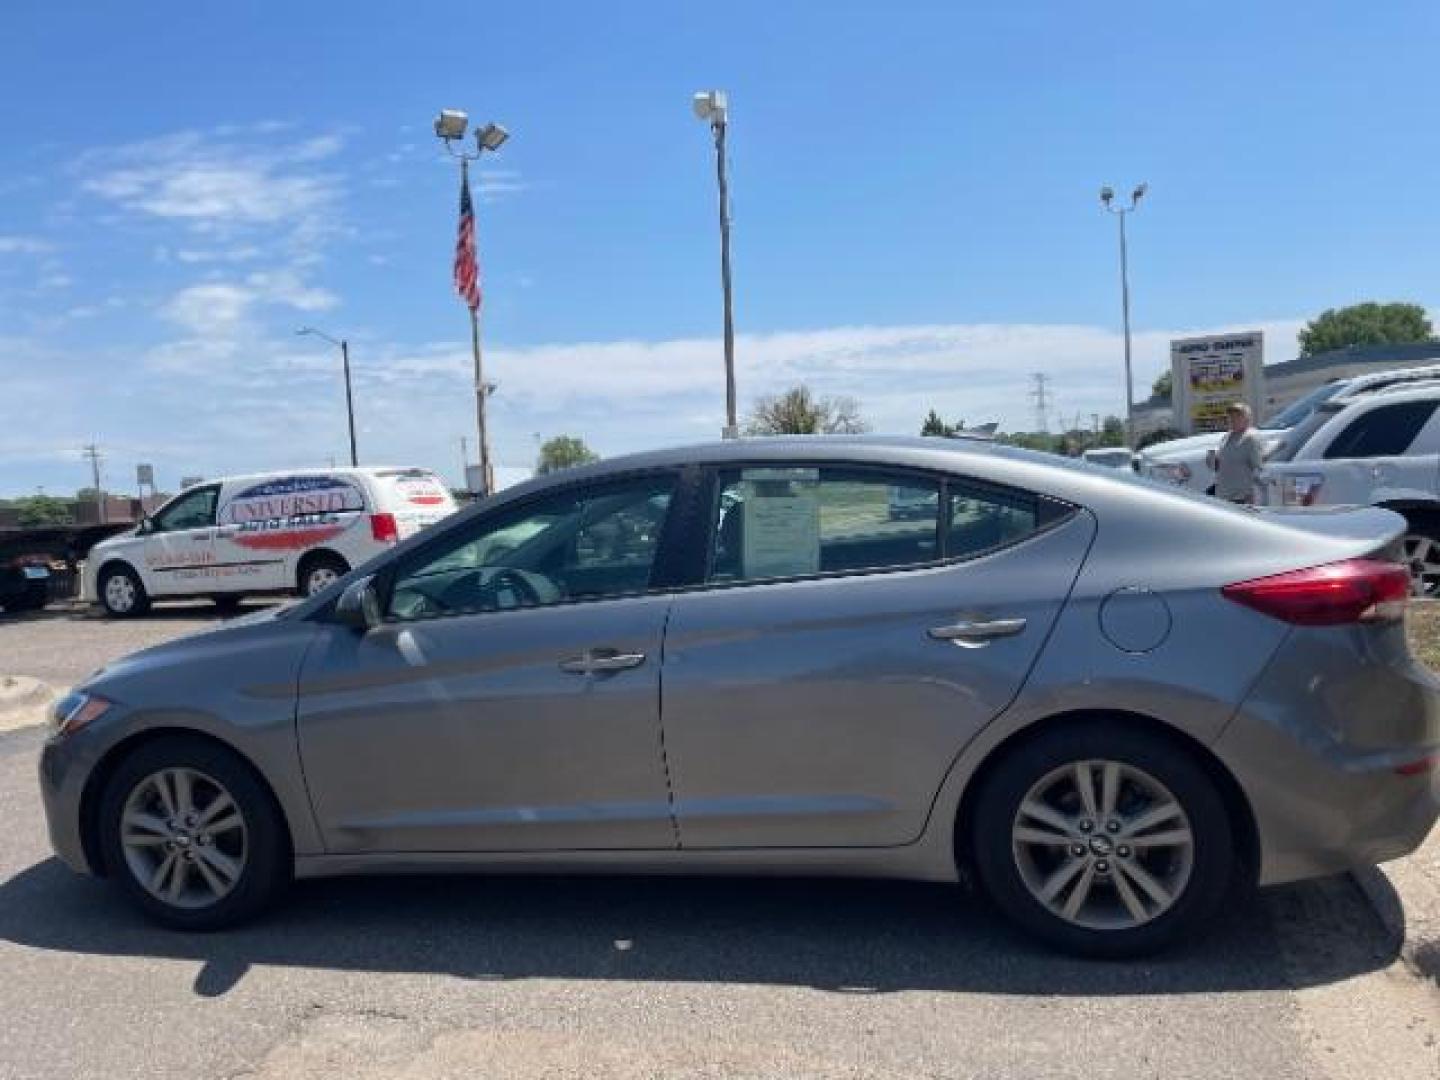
{"x":467,"y":266}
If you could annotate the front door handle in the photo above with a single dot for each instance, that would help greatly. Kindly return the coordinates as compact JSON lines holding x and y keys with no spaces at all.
{"x":973,"y":634}
{"x":593,"y":661}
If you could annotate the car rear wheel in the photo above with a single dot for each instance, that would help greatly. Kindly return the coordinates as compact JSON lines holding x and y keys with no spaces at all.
{"x":191,"y":835}
{"x":227,"y":603}
{"x":1103,"y":840}
{"x":319,"y":572}
{"x":121,"y":592}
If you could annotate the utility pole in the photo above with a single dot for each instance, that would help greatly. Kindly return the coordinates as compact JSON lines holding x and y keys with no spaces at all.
{"x":1040,"y":395}
{"x":464,"y":463}
{"x":1107,"y":199}
{"x":92,"y":452}
{"x":713,"y":107}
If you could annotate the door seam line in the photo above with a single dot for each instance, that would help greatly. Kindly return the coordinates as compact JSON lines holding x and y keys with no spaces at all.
{"x":660,"y":720}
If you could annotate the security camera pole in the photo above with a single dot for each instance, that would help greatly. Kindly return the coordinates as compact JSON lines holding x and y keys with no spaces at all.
{"x":712,"y":106}
{"x":1107,"y":199}
{"x":344,"y":347}
{"x":450,"y":126}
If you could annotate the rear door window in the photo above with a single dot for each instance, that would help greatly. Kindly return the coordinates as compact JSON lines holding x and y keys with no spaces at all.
{"x":1386,"y":431}
{"x":784,"y":522}
{"x":981,"y":519}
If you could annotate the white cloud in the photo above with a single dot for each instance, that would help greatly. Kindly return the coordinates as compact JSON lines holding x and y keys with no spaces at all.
{"x":24,"y":245}
{"x":215,"y":185}
{"x":240,"y":253}
{"x":287,"y":288}
{"x":212,"y":308}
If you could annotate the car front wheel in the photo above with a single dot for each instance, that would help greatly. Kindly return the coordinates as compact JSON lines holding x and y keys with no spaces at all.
{"x":1103,"y":840}
{"x":319,"y":572}
{"x":192,"y":836}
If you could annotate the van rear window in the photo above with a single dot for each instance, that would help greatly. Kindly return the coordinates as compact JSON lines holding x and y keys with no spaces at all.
{"x":419,"y":489}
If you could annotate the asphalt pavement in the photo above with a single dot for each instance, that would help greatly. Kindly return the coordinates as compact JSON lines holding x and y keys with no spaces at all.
{"x":608,"y":977}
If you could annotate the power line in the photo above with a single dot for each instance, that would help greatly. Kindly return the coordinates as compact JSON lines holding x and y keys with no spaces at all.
{"x":1040,"y":395}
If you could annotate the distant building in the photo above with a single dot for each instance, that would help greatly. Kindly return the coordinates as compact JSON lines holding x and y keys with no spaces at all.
{"x":1293,"y":379}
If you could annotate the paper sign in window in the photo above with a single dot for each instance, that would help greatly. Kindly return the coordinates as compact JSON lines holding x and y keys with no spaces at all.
{"x":782,"y":529}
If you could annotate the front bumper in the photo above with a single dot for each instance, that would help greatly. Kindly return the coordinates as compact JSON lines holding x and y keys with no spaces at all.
{"x":65,"y":767}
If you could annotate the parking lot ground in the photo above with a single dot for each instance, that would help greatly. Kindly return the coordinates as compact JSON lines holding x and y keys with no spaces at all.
{"x":403,"y":978}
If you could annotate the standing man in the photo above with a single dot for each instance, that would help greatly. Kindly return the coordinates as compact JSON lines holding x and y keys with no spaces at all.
{"x":1237,"y":461}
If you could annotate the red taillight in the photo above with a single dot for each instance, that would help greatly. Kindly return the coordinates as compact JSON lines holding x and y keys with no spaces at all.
{"x":384,"y":529}
{"x":1419,"y":767}
{"x":1354,"y":591}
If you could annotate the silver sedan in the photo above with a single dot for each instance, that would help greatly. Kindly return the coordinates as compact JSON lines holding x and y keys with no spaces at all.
{"x":1111,"y":703}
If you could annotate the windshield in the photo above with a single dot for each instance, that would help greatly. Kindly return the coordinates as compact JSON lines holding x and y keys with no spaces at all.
{"x":1300,"y":434}
{"x":1296,"y":411}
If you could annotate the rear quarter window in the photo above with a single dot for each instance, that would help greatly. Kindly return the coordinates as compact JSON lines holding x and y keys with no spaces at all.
{"x":1386,"y":431}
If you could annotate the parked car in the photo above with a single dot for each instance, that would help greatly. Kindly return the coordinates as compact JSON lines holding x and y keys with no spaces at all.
{"x":1377,"y":450}
{"x":1185,"y":461}
{"x":1097,"y":693}
{"x":1111,"y":457}
{"x":294,"y":531}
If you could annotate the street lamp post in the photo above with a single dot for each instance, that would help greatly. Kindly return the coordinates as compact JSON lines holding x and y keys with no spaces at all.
{"x":1107,"y":199}
{"x":450,"y":127}
{"x":713,"y":107}
{"x":344,"y":346}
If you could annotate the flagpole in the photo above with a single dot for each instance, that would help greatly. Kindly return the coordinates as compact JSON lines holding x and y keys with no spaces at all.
{"x":481,"y":392}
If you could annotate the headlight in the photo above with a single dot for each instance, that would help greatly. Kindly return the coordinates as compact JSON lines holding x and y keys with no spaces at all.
{"x":75,"y":710}
{"x":1171,"y":473}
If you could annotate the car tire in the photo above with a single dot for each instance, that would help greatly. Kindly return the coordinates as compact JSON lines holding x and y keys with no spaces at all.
{"x":122,"y":594}
{"x":251,"y":861}
{"x":318,"y":571}
{"x":34,"y":598}
{"x":227,"y":603}
{"x":1037,"y":842}
{"x":1421,"y":545}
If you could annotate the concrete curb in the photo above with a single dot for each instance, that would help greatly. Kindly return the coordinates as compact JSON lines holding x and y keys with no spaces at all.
{"x":1405,"y":896}
{"x":24,"y":702}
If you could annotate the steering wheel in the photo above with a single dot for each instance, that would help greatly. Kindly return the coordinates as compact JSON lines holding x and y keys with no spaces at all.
{"x":507,"y":580}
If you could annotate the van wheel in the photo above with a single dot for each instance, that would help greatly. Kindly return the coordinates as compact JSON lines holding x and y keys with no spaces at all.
{"x":319,"y":572}
{"x":192,"y":836}
{"x":1103,"y":841}
{"x":121,"y":592}
{"x":227,"y":603}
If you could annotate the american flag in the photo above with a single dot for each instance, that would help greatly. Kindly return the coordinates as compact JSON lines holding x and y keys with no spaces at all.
{"x":467,"y":268}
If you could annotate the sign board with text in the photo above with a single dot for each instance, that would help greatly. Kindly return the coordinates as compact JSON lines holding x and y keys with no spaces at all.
{"x":1211,"y":372}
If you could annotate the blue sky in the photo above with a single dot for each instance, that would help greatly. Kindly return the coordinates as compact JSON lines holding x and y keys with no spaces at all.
{"x":915,"y":218}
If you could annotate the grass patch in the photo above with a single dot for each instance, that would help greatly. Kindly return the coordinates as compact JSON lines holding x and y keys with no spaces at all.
{"x":1423,"y":624}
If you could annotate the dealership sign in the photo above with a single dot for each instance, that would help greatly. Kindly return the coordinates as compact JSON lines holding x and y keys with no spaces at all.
{"x":1210,"y":373}
{"x":295,"y":512}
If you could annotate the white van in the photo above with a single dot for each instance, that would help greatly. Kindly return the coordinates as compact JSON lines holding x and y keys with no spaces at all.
{"x":293,"y":531}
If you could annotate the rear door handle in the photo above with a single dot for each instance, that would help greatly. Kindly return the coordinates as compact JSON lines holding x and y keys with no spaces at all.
{"x":972,"y":634}
{"x":601,"y":660}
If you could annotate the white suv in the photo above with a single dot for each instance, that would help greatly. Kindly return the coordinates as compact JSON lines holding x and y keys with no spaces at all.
{"x":1184,"y":461}
{"x":273,"y":532}
{"x":1379,"y":449}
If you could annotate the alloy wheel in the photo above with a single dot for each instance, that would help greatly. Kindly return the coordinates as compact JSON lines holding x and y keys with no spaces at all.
{"x":119,"y":593}
{"x":184,"y":838}
{"x":322,"y":577}
{"x":1103,"y":845}
{"x":1422,"y":554}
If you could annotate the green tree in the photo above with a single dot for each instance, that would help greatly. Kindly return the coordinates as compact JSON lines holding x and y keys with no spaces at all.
{"x":563,"y":452}
{"x":1365,"y":324}
{"x":799,"y":412}
{"x":1112,"y":432}
{"x":934,"y":425}
{"x":43,"y":510}
{"x":1164,"y":386}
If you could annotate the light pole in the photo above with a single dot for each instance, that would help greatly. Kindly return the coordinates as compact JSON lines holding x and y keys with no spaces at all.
{"x":713,"y":107}
{"x":1107,"y":199}
{"x":344,"y":346}
{"x":450,"y":127}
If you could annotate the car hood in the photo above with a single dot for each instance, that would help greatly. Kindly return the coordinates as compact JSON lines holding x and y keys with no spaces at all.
{"x":210,"y":648}
{"x":1188,"y":445}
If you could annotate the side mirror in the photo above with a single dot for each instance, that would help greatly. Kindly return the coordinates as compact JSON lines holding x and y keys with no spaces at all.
{"x":359,"y":606}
